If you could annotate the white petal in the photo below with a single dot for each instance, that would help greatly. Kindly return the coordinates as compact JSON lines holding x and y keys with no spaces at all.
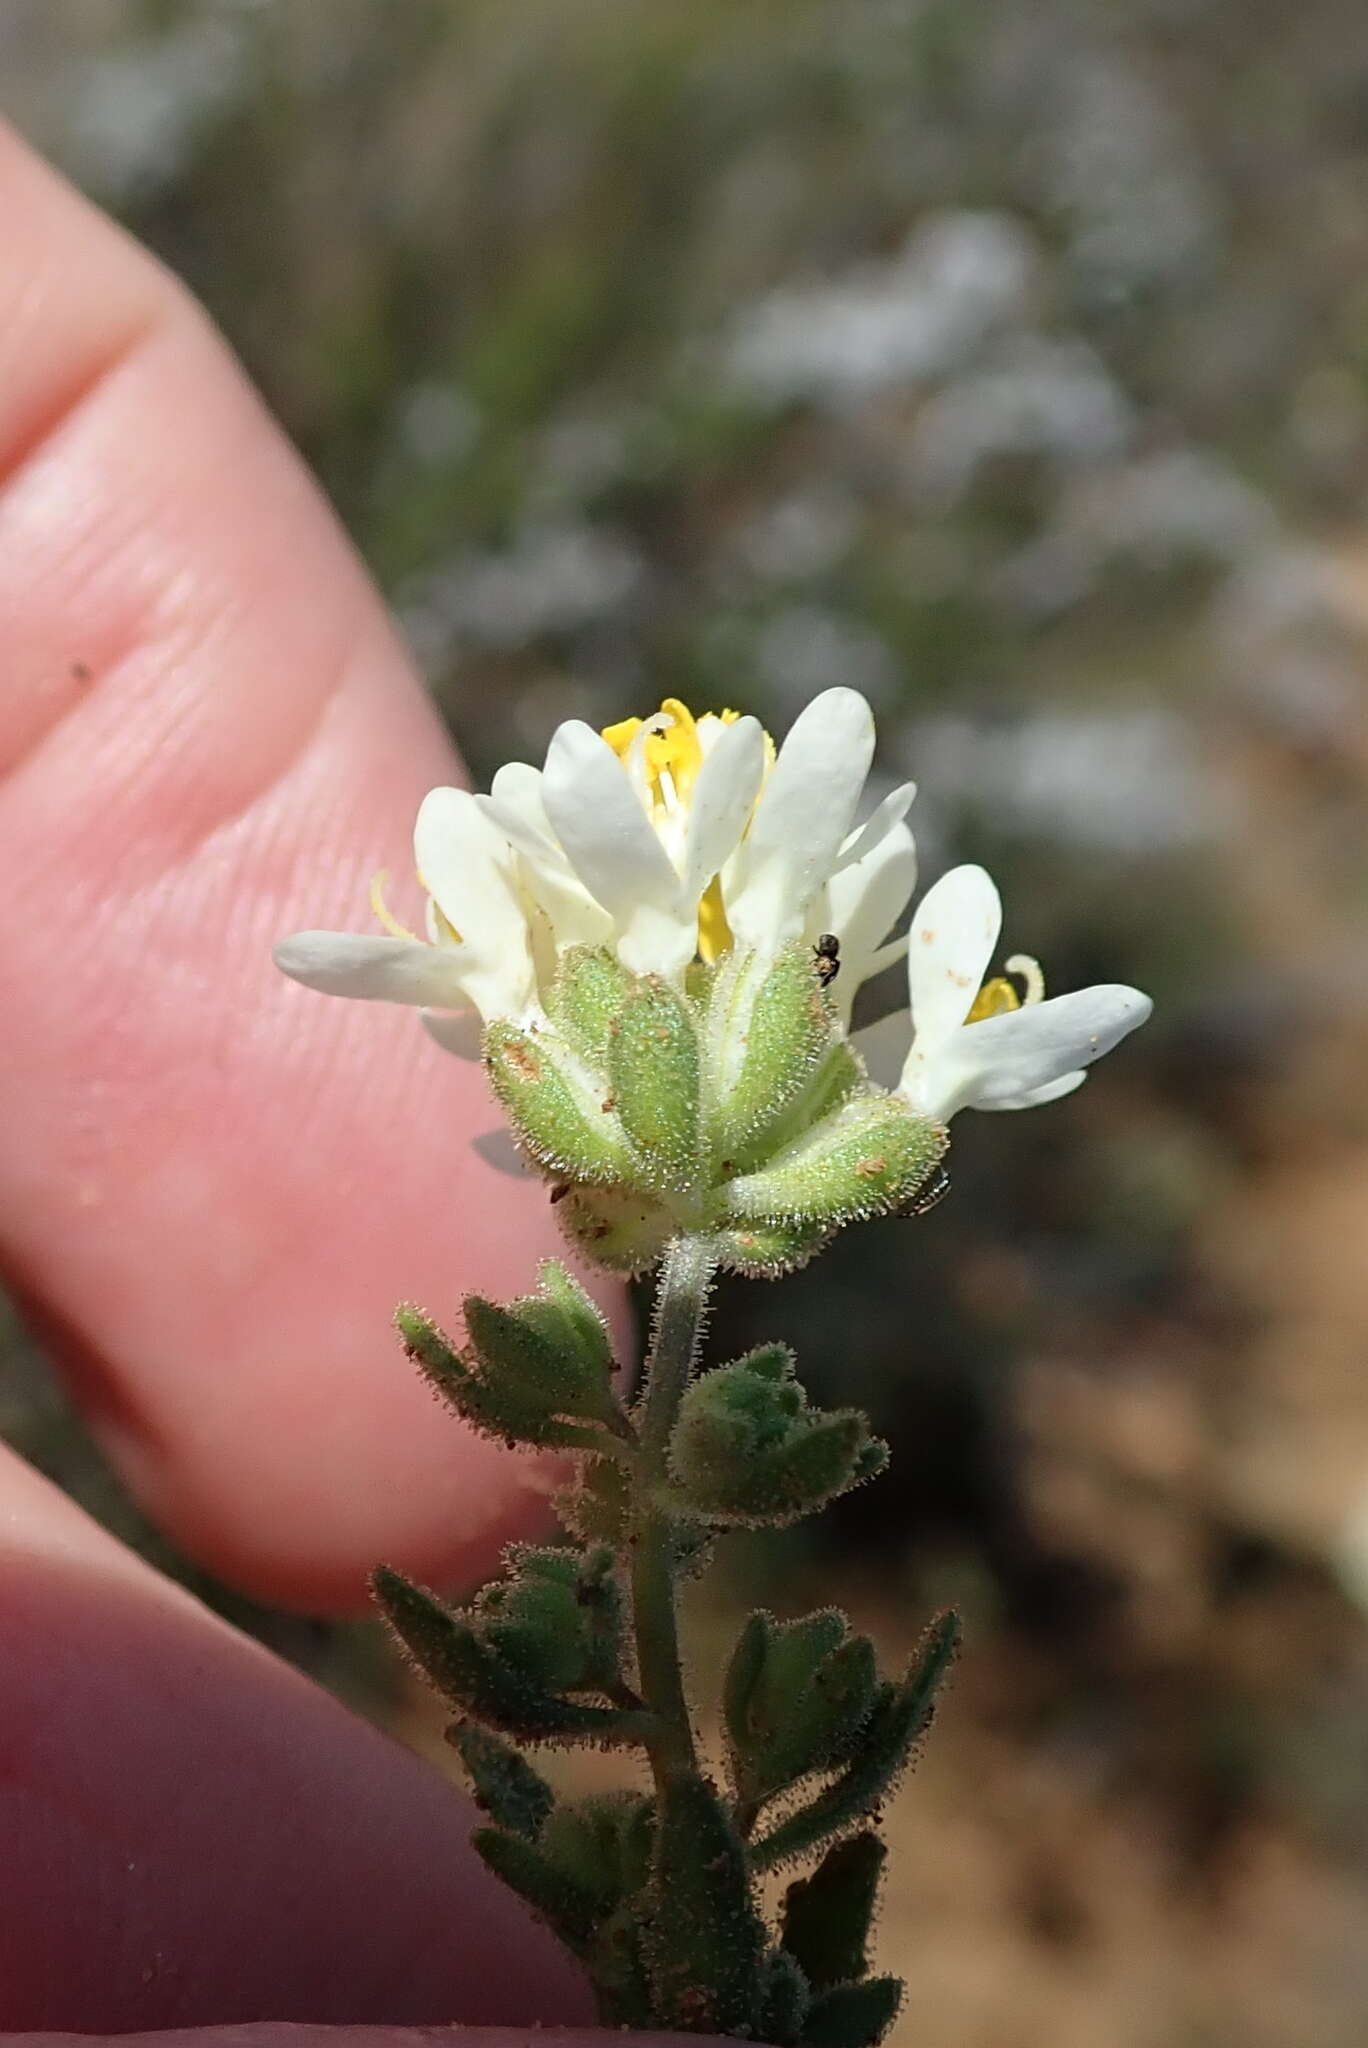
{"x":466,"y":866}
{"x":457,"y":1031}
{"x":803,"y":817}
{"x":951,"y":942}
{"x":373,"y":968}
{"x":883,"y":1047}
{"x":597,"y":818}
{"x":1025,"y":1050}
{"x":515,"y":805}
{"x":721,"y":801}
{"x":877,"y":826}
{"x":1038,"y":1097}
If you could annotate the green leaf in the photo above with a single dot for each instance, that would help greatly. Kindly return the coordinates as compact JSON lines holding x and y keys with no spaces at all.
{"x":565,"y":1905}
{"x":827,"y":1917}
{"x":515,"y":1797}
{"x":784,"y":2000}
{"x":853,"y":2015}
{"x":900,"y":1716}
{"x":653,"y":1065}
{"x":743,"y":1673}
{"x":704,"y":1941}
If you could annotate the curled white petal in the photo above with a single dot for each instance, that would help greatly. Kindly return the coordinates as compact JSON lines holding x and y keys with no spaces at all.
{"x":882,"y":821}
{"x":952,"y":940}
{"x":802,"y":820}
{"x":1022,"y":1057}
{"x":376,"y":969}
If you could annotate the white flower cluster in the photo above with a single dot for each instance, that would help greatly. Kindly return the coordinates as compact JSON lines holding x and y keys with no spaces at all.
{"x":669,"y":839}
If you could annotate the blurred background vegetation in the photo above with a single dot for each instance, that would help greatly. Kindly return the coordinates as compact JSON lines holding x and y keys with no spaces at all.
{"x":1010,"y":364}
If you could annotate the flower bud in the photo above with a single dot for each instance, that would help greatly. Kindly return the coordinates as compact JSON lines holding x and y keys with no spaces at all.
{"x":769,"y":1025}
{"x":653,"y":1066}
{"x":747,"y":1448}
{"x":556,"y":1618}
{"x":797,"y":1696}
{"x":586,"y":1000}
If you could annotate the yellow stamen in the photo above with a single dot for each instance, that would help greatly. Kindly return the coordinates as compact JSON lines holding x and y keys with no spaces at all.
{"x":383,"y":912}
{"x":714,"y":933}
{"x":671,"y":753}
{"x":994,"y":999}
{"x":998,"y":997}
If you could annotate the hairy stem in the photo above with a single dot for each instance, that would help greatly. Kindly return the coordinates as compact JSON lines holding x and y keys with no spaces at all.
{"x":684,"y":1282}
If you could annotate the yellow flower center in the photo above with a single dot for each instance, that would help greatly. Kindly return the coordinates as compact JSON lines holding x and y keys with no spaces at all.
{"x":667,"y":751}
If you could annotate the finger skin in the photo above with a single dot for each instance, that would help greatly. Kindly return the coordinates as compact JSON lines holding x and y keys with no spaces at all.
{"x":194,"y":1834}
{"x":218,"y":1185}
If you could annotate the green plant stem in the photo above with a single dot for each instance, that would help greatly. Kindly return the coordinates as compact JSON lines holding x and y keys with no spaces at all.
{"x":680,"y":1302}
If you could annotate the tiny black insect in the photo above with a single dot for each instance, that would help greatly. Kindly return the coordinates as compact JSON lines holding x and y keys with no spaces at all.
{"x":828,"y":951}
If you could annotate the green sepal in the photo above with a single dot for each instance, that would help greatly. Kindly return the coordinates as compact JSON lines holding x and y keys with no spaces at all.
{"x":785,"y":1998}
{"x":900,"y":1716}
{"x":653,"y":1066}
{"x":796,"y":1698}
{"x":768,"y":1031}
{"x":827,"y":1917}
{"x":767,"y":1251}
{"x":746,"y":1447}
{"x":868,"y":1157}
{"x":471,"y":1674}
{"x":586,"y":999}
{"x":617,"y":1228}
{"x":853,"y":2015}
{"x":515,"y":1797}
{"x":504,"y":1409}
{"x":703,"y":1941}
{"x":568,"y":1909}
{"x":556,"y":1106}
